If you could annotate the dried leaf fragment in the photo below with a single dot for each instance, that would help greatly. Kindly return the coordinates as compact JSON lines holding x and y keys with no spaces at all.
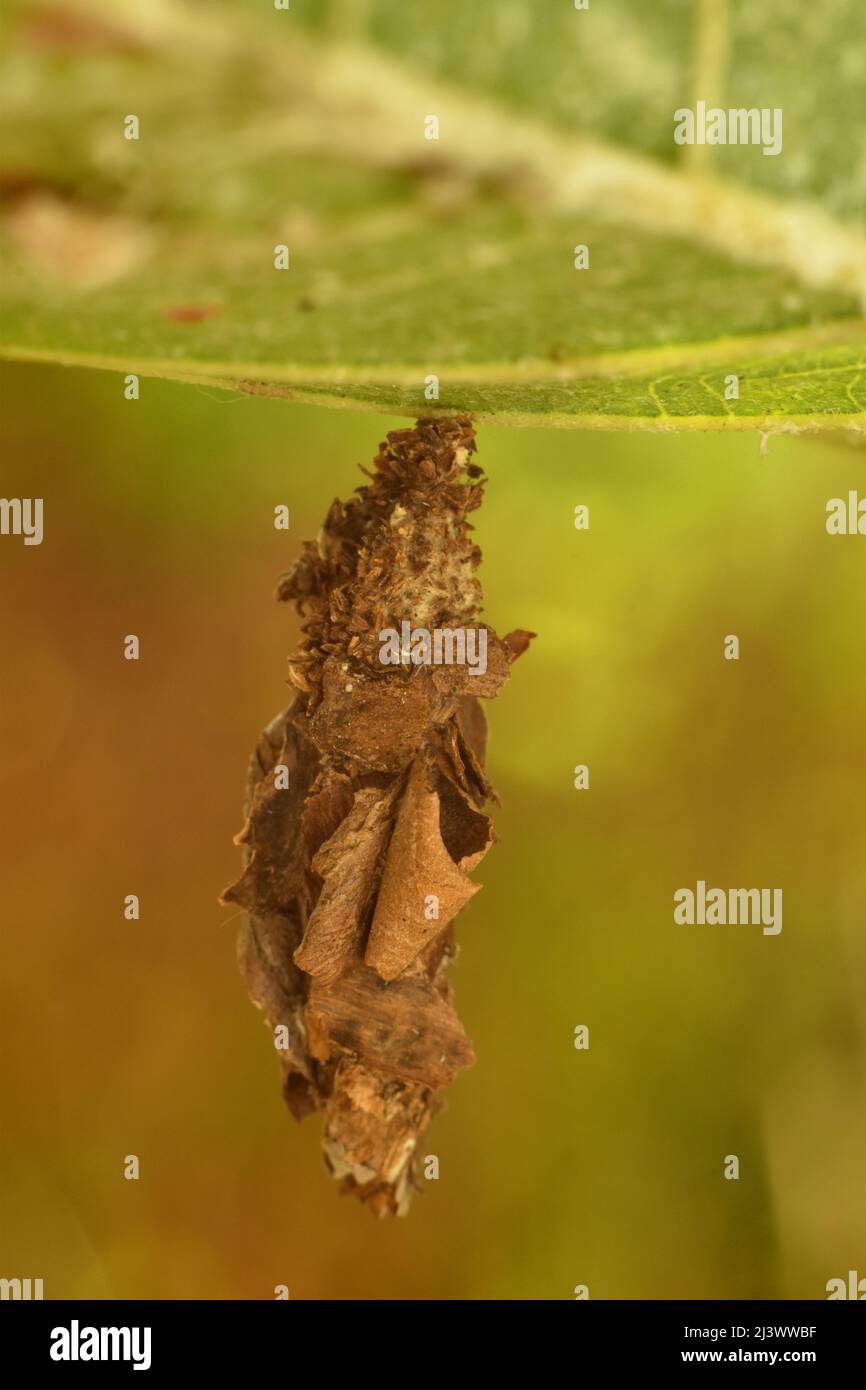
{"x":422,"y":888}
{"x":405,"y":1029}
{"x":347,"y":864}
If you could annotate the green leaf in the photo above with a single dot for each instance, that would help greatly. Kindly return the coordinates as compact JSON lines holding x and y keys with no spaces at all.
{"x":451,"y":259}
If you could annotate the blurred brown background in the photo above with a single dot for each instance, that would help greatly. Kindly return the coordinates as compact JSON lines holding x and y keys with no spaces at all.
{"x":557,"y":1167}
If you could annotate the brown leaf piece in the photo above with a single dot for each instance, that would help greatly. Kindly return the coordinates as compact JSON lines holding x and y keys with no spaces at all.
{"x":348,"y":864}
{"x":365,"y":810}
{"x":422,"y":887}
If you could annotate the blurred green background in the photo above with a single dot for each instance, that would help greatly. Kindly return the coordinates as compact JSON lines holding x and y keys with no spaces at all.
{"x":558,"y":1167}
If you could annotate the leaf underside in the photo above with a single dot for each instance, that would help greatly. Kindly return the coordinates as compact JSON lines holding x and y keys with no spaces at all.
{"x":451,"y":259}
